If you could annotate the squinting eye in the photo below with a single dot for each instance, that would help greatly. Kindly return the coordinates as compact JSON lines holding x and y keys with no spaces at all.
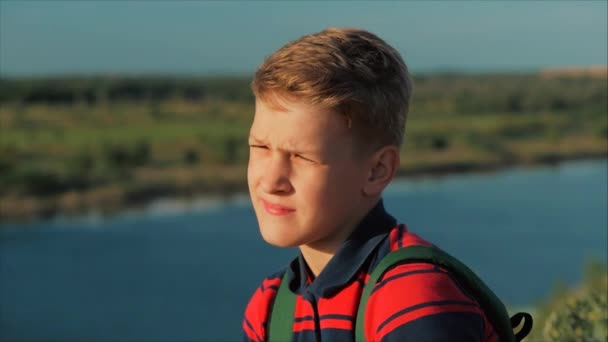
{"x":258,"y":146}
{"x":303,"y":158}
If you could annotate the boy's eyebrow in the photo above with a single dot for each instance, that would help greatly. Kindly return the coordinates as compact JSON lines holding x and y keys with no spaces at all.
{"x":252,"y":138}
{"x":294,"y":146}
{"x":289,"y":146}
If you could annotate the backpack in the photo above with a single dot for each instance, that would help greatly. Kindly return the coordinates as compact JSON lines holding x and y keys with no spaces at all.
{"x":281,"y":316}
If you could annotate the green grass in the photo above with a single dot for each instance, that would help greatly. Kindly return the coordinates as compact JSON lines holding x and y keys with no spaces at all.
{"x":49,"y":152}
{"x":575,"y":314}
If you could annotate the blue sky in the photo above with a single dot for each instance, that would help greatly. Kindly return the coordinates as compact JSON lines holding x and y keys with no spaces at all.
{"x":200,"y":38}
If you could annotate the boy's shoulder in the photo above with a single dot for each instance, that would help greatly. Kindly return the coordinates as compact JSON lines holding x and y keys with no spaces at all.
{"x":418,"y":299}
{"x":268,"y":287}
{"x":258,"y":309}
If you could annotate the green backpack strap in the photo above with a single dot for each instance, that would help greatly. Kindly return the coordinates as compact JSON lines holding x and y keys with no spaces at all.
{"x":281,"y":316}
{"x":492,"y":306}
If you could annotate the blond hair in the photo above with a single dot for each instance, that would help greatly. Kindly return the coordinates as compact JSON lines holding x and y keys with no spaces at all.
{"x":350,"y":71}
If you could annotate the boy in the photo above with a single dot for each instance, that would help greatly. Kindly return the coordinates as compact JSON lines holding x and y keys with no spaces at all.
{"x":329,"y":120}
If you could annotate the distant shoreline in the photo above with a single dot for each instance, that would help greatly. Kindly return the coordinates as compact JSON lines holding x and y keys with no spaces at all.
{"x":466,"y":167}
{"x":43,"y":211}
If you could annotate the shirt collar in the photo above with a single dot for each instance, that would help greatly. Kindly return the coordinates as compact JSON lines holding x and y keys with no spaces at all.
{"x":349,"y":259}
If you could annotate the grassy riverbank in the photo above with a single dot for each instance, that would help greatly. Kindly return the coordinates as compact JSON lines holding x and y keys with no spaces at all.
{"x":575,"y":314}
{"x":70,"y":145}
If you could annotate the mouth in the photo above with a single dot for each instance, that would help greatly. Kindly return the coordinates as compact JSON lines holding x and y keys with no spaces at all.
{"x":276,"y":209}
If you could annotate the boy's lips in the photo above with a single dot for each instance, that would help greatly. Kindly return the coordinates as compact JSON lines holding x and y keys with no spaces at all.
{"x":276,"y":209}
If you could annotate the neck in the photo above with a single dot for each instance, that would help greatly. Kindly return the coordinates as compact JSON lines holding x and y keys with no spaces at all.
{"x":316,"y":259}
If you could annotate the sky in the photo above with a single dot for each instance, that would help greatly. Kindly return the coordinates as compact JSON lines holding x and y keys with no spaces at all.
{"x":50,"y":38}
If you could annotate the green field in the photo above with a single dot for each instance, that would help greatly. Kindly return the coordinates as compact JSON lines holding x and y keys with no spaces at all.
{"x":73,"y":144}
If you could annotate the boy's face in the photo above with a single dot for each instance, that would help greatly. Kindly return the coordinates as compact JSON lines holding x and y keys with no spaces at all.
{"x":304,"y":177}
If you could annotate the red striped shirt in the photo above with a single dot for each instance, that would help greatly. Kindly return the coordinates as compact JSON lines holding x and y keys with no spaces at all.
{"x":411,"y":302}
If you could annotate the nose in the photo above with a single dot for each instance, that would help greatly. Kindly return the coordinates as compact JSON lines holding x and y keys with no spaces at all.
{"x":275,"y":177}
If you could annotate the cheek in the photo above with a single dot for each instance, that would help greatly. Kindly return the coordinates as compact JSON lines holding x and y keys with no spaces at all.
{"x":345,"y":189}
{"x":253,"y":170}
{"x":249,"y":174}
{"x":252,"y":181}
{"x":326,"y":189}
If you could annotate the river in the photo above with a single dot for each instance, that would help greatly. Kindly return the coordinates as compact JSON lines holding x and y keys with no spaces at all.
{"x":185,"y":273}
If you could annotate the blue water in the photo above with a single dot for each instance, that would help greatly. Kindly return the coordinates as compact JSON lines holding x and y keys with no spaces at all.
{"x":184,"y":275}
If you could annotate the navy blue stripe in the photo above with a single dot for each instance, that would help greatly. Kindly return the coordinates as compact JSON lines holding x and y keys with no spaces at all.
{"x":401,"y":275}
{"x":302,"y":319}
{"x":254,"y":332}
{"x":442,"y":327}
{"x":270,"y":287}
{"x":462,"y":289}
{"x":360,"y":281}
{"x":322,"y":317}
{"x":277,"y":275}
{"x":420,"y":306}
{"x":336,"y":316}
{"x":400,"y":236}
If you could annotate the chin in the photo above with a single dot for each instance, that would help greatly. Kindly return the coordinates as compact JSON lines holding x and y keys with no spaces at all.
{"x":276,"y":236}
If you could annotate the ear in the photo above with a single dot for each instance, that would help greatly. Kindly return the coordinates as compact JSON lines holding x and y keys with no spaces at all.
{"x":383,"y":166}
